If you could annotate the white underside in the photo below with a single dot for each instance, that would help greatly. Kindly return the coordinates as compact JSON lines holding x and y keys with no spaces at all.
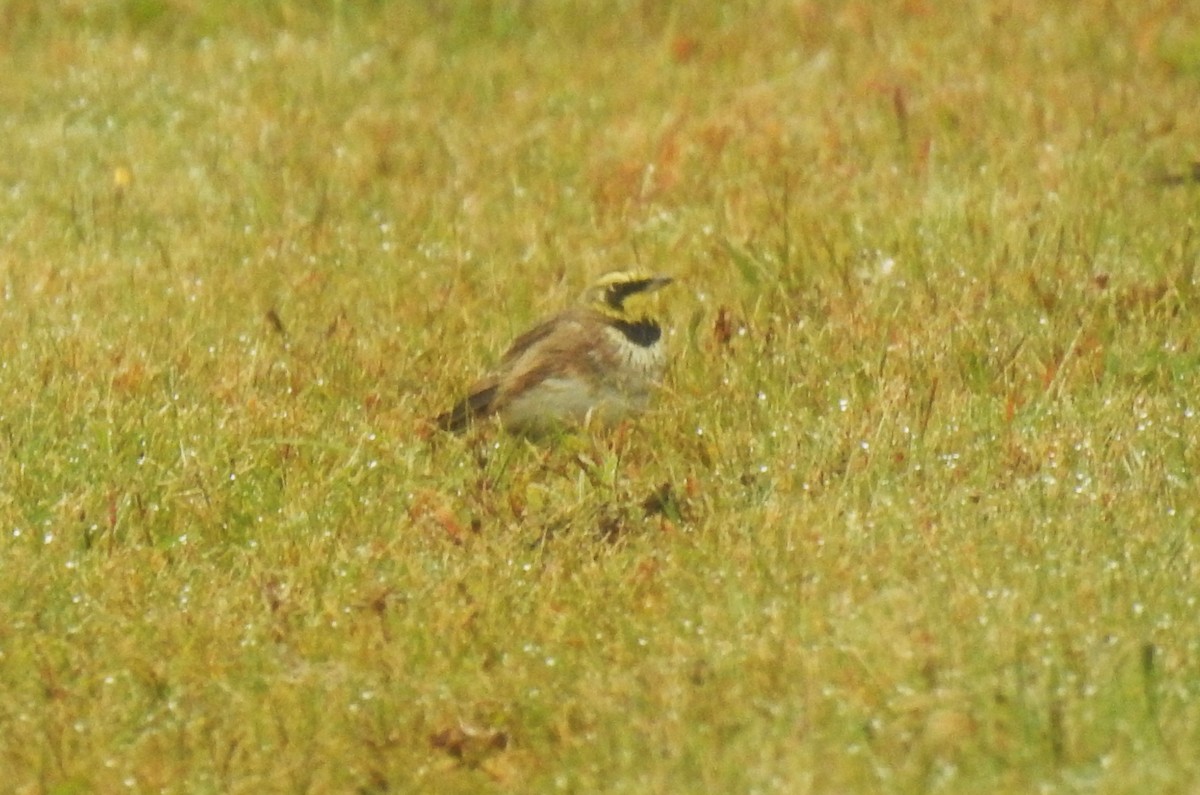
{"x":566,"y":400}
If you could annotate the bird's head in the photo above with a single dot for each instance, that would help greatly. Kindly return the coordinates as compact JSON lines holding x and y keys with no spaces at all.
{"x":609,"y":293}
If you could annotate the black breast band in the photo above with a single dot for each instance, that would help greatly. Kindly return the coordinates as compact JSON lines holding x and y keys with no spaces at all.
{"x":644,"y":332}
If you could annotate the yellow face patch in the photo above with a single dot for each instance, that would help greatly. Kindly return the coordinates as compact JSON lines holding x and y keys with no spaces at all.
{"x":610,"y":292}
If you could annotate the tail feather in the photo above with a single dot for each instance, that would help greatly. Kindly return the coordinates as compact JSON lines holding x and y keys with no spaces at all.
{"x":477,"y":404}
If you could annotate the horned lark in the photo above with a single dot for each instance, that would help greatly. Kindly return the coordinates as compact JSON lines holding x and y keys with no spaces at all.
{"x":594,"y":362}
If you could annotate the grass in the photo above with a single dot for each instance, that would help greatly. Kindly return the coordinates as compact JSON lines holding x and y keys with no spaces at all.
{"x":917,"y":511}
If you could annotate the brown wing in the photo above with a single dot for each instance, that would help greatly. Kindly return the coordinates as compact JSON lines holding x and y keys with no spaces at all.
{"x":555,"y":346}
{"x":535,"y":335}
{"x":534,"y":356}
{"x":562,"y":345}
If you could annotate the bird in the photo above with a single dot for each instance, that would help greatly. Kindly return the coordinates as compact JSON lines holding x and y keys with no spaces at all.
{"x":594,"y":362}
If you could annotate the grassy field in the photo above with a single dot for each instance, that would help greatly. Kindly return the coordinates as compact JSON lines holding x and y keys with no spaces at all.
{"x":918,"y":510}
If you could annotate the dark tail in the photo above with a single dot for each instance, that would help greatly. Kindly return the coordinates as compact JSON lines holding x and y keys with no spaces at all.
{"x":459,"y":418}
